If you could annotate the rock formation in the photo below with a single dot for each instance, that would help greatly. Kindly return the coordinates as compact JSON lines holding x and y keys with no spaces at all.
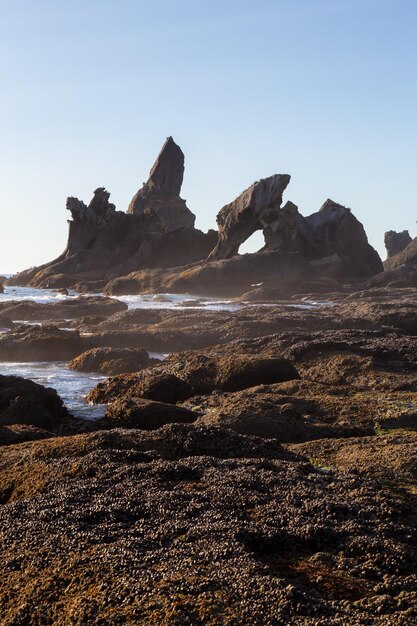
{"x":396,"y":242}
{"x":159,"y":199}
{"x":328,"y":245}
{"x":333,"y":230}
{"x":157,"y":231}
{"x":130,"y":252}
{"x":251,"y":211}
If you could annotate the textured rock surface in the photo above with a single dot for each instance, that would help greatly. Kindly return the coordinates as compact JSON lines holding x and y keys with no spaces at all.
{"x":134,"y":527}
{"x":396,"y":242}
{"x":201,"y":373}
{"x":135,"y":412}
{"x":252,"y":210}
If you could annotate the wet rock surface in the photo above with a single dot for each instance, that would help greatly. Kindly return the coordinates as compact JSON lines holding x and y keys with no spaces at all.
{"x":198,"y":526}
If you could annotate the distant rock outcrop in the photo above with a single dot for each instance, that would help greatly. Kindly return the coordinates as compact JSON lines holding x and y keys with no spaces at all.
{"x":396,"y":242}
{"x":157,"y":231}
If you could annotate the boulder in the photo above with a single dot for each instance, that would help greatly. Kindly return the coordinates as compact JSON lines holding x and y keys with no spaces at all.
{"x":199,"y":373}
{"x":112,"y":361}
{"x":2,"y":280}
{"x":25,"y":402}
{"x":154,"y":386}
{"x":134,"y":412}
{"x":396,"y":242}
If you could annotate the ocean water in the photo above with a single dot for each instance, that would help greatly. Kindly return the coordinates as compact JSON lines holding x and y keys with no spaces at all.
{"x":73,"y":386}
{"x":141,"y":301}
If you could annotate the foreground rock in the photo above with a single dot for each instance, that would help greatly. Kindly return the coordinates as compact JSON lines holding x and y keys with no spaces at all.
{"x":25,"y":402}
{"x":158,"y":533}
{"x":112,"y":361}
{"x":157,"y":231}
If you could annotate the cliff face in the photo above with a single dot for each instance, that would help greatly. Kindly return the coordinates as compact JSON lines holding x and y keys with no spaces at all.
{"x":156,"y":231}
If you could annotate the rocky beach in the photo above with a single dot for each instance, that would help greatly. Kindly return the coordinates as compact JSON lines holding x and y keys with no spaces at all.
{"x":193,"y":436}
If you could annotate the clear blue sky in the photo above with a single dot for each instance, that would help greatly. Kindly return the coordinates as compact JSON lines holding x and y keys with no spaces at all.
{"x":325,"y":90}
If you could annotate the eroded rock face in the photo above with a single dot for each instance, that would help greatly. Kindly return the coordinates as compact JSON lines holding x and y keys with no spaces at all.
{"x":396,"y":242}
{"x":159,"y":199}
{"x":332,"y":233}
{"x":252,"y":210}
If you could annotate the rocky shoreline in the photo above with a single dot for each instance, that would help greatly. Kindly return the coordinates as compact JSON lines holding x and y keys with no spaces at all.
{"x":263,"y":473}
{"x":254,"y":463}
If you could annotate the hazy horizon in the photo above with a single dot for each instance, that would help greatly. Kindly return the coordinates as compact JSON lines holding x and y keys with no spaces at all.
{"x":318,"y":89}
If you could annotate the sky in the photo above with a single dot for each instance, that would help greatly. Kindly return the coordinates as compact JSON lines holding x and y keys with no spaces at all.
{"x":324,"y":90}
